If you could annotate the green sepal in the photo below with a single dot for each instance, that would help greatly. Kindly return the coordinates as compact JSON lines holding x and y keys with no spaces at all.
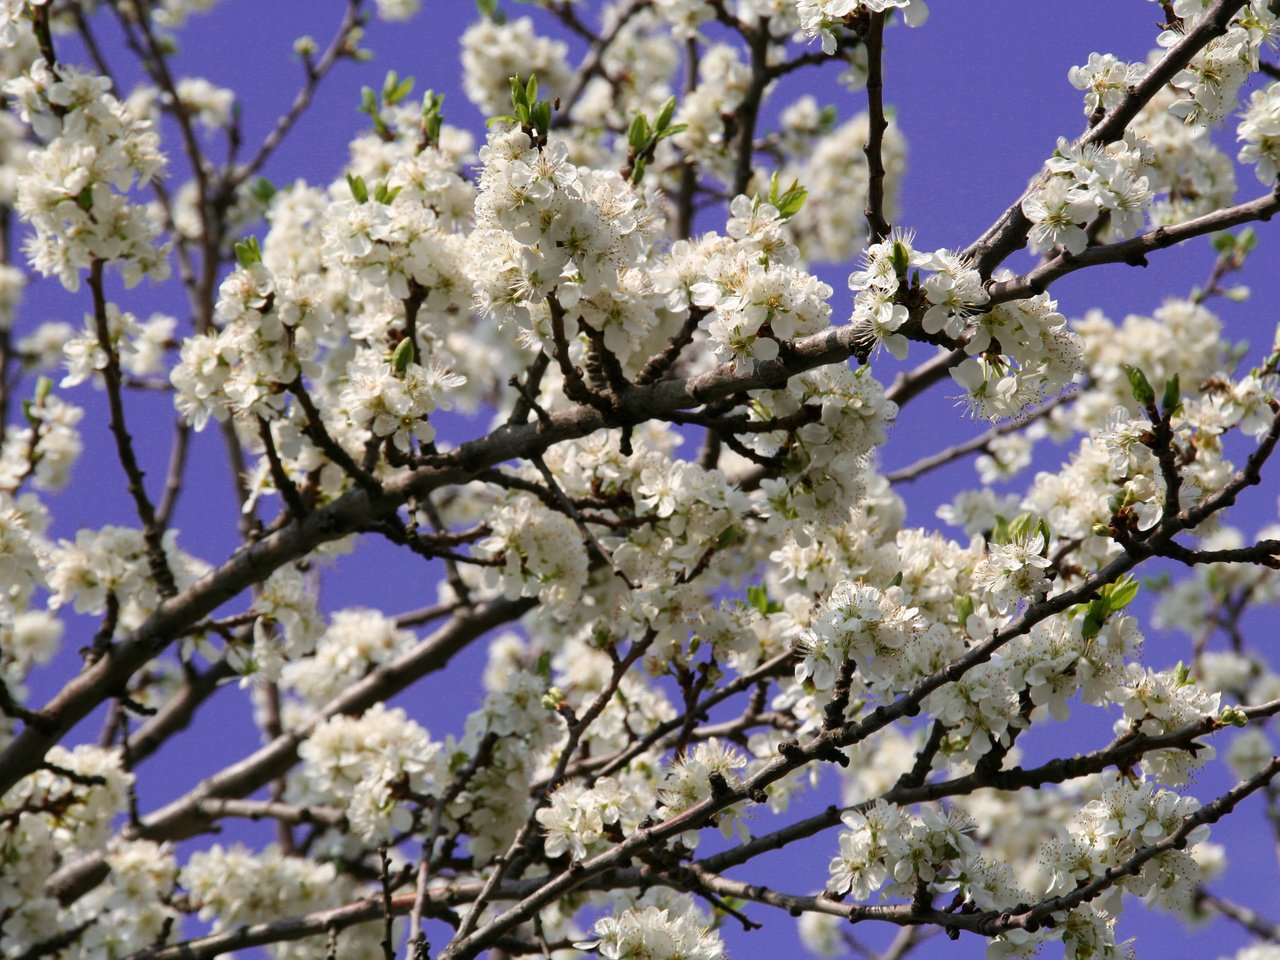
{"x":402,"y":356}
{"x":358,"y":188}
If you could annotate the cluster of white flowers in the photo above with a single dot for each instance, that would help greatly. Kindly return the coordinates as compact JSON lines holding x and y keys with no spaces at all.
{"x":544,"y":224}
{"x":1260,"y":130}
{"x":577,"y":817}
{"x":355,"y":642}
{"x":858,"y":622}
{"x":755,"y":295}
{"x":1038,"y":357}
{"x":370,"y":765}
{"x":1014,"y":572}
{"x":46,"y":449}
{"x":1209,"y":85}
{"x":692,"y":778}
{"x":139,"y":345}
{"x":493,"y":52}
{"x":655,"y":934}
{"x":22,"y":548}
{"x":396,"y":406}
{"x":540,"y":550}
{"x":62,"y":818}
{"x":723,"y":81}
{"x":73,"y":190}
{"x":1106,"y":80}
{"x":234,"y":885}
{"x":818,"y":18}
{"x":1157,"y":702}
{"x":1087,"y":184}
{"x":953,"y":291}
{"x":112,"y":563}
{"x":888,"y":850}
{"x":345,"y":326}
{"x":131,"y":910}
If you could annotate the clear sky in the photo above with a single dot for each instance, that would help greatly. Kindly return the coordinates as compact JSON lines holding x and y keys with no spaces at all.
{"x":981,"y":93}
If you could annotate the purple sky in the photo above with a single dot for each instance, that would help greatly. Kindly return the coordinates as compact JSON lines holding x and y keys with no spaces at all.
{"x":982,"y":96}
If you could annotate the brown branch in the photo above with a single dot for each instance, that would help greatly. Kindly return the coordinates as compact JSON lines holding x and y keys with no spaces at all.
{"x":284,"y":483}
{"x":288,"y":813}
{"x":156,"y":559}
{"x":1252,"y":921}
{"x":174,"y":473}
{"x":877,"y":226}
{"x":1134,"y":250}
{"x":748,"y":111}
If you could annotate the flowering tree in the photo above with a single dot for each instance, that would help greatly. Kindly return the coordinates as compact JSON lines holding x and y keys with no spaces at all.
{"x":663,"y":509}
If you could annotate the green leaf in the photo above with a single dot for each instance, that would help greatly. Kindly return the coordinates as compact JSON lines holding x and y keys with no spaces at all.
{"x":1171,"y":401}
{"x":638,"y":133}
{"x":1158,"y":583}
{"x":358,"y":189}
{"x":665,"y":114}
{"x":543,"y":667}
{"x":964,"y":609}
{"x":383,"y":194}
{"x":1000,"y":533}
{"x":394,"y":89}
{"x":1095,"y":614}
{"x":1021,"y":527}
{"x":402,"y":356}
{"x":1247,"y":240}
{"x":263,"y":190}
{"x":1224,"y":242}
{"x":758,"y":597}
{"x":541,"y":117}
{"x":897,"y":579}
{"x":787,"y":202}
{"x":1142,"y":390}
{"x":1120,"y":594}
{"x":247,"y":252}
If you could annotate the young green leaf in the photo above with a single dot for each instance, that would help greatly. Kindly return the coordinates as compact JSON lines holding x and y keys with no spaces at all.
{"x":1142,"y":389}
{"x":247,"y":252}
{"x":402,"y":356}
{"x":358,"y":188}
